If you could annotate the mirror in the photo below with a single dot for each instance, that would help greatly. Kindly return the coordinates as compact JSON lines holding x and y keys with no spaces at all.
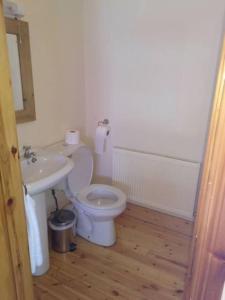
{"x":21,"y":69}
{"x":15,"y":71}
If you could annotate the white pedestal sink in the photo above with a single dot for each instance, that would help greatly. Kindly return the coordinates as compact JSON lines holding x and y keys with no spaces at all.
{"x":38,"y":177}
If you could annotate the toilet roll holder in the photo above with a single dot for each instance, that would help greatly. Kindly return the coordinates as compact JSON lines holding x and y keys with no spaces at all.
{"x":105,"y":122}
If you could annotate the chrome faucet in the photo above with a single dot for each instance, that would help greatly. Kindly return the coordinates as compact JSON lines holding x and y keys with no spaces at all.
{"x":29,"y":154}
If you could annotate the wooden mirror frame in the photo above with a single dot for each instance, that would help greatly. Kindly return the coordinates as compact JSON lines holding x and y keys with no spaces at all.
{"x":21,"y":30}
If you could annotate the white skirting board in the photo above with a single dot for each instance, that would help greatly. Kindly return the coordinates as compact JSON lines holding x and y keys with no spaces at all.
{"x":162,"y":183}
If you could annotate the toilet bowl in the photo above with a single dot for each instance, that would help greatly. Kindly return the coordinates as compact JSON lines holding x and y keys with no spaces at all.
{"x":96,"y":205}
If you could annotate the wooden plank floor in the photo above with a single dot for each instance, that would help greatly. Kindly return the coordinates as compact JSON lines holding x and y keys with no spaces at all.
{"x":148,"y":262}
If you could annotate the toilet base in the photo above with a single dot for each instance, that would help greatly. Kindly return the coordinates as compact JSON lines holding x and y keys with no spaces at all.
{"x":98,"y":229}
{"x":101,"y":232}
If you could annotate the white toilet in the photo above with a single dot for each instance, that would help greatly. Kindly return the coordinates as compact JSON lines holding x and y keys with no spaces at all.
{"x":97,"y":205}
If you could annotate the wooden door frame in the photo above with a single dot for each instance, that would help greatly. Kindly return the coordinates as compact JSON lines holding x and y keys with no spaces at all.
{"x":16,"y":279}
{"x":206,"y":274}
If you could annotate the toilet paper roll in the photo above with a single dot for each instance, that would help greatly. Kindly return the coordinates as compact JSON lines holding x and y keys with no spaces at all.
{"x":100,"y":139}
{"x":72,"y":137}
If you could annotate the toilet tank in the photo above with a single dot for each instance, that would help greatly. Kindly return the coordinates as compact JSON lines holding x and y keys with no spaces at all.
{"x":81,"y":175}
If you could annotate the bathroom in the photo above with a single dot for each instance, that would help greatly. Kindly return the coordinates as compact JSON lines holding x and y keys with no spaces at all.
{"x":150,"y":68}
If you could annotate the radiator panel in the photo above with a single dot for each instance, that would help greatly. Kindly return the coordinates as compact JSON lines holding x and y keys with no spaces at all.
{"x":161,"y":183}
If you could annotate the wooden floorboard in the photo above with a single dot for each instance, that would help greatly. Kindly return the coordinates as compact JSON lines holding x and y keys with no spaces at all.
{"x":148,"y":262}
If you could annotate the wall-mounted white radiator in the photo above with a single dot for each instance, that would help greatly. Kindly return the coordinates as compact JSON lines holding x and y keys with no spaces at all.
{"x":158,"y":182}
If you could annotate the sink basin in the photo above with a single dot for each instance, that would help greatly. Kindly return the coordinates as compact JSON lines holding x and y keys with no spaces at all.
{"x":46,"y":172}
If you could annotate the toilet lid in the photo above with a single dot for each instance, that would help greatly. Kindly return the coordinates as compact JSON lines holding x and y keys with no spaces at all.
{"x":101,"y":196}
{"x":81,"y":174}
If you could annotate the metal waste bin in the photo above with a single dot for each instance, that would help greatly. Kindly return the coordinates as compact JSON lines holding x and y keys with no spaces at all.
{"x":61,"y":224}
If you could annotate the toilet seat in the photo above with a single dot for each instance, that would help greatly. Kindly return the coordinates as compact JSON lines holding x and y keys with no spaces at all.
{"x":100,"y":196}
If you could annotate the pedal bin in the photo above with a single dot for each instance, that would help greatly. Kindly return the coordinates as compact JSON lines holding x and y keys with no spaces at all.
{"x":61,"y":225}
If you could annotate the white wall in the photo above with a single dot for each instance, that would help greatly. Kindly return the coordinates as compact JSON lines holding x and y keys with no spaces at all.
{"x":150,"y":67}
{"x":56,"y":36}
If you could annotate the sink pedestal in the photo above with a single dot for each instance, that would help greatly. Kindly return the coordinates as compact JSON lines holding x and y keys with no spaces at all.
{"x":41,"y":213}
